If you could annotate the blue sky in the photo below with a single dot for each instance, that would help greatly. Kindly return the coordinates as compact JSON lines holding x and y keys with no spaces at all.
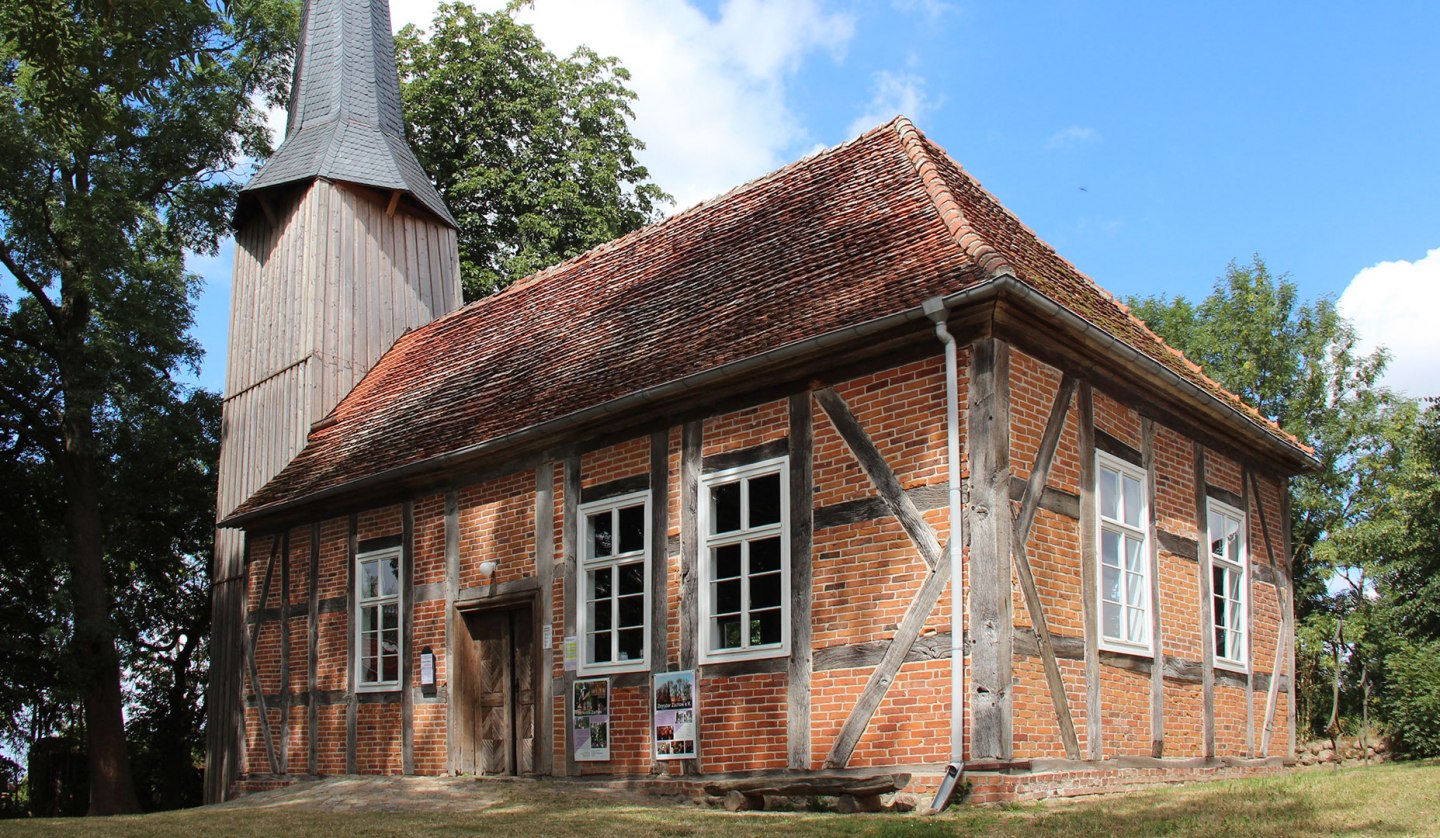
{"x":1149,"y":143}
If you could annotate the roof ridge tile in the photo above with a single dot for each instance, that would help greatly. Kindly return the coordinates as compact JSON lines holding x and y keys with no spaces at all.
{"x":966,"y":236}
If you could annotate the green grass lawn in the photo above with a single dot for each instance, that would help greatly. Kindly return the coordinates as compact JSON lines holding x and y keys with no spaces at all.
{"x":1394,"y":799}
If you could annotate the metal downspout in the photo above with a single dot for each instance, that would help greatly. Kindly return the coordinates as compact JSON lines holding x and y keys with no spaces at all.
{"x":937,"y":311}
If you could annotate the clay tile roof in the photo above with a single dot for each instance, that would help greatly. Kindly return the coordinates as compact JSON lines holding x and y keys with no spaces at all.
{"x":872,"y":227}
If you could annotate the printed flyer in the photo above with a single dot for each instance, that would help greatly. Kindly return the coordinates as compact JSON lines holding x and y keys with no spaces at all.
{"x":590,"y":736}
{"x":676,"y":730}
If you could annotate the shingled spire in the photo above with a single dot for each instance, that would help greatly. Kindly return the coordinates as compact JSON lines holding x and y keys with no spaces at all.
{"x":345,"y":122}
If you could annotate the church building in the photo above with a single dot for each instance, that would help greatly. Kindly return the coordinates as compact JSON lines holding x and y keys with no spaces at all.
{"x":839,"y":473}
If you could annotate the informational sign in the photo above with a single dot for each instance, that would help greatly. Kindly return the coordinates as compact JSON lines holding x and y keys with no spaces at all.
{"x":547,"y":637}
{"x":427,"y":672}
{"x":676,"y":709}
{"x":571,"y":653}
{"x":590,"y":729}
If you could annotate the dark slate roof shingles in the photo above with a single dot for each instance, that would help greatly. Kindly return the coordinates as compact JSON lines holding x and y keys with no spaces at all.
{"x":345,"y":121}
{"x":872,"y":227}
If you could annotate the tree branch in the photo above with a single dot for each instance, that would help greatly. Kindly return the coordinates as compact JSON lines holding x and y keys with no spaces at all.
{"x":36,"y":290}
{"x":40,"y":433}
{"x":34,"y":343}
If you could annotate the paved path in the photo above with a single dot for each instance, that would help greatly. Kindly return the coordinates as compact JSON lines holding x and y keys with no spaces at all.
{"x":377,"y":794}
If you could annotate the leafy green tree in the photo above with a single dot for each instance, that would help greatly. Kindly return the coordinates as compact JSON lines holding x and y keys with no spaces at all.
{"x":118,"y":122}
{"x":532,"y":153}
{"x":1412,"y":698}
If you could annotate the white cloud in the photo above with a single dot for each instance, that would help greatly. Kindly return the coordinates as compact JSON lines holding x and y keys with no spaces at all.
{"x":711,"y":93}
{"x":891,"y":94}
{"x":1072,"y":136}
{"x":1389,"y":304}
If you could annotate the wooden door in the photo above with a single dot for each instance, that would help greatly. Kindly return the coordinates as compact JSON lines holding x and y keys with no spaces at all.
{"x":495,"y":693}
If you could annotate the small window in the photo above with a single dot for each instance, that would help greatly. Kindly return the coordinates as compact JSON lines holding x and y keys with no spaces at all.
{"x":377,"y":627}
{"x":1228,"y":562}
{"x":1125,"y":586}
{"x":745,"y":579}
{"x":614,"y":589}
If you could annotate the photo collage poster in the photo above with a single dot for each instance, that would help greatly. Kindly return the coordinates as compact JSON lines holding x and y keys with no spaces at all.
{"x":676,"y":730}
{"x":590,"y":731}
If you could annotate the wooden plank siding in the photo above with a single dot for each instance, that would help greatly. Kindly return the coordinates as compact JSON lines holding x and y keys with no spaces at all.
{"x":308,"y":318}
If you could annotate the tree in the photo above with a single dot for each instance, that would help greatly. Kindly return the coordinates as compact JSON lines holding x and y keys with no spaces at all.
{"x":118,"y":124}
{"x":1298,"y":364}
{"x":532,"y":153}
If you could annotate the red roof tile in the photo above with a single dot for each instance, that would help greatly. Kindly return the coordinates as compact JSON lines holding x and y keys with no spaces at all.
{"x":872,"y":227}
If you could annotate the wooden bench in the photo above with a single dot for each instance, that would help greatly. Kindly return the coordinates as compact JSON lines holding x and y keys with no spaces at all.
{"x":855,"y":794}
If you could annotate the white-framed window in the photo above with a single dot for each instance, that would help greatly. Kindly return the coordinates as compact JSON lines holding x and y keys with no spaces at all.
{"x":1126,"y":589}
{"x":614,"y":590}
{"x":1228,"y":584}
{"x":745,"y":562}
{"x":377,"y":623}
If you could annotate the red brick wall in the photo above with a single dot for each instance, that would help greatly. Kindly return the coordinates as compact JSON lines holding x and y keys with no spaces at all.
{"x":497,"y":523}
{"x":742,"y":722}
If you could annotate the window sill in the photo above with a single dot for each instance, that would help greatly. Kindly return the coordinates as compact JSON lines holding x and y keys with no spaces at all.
{"x":378,"y":688}
{"x":1232,"y":666}
{"x":713,"y":658}
{"x":622,"y":669}
{"x":1126,"y":649}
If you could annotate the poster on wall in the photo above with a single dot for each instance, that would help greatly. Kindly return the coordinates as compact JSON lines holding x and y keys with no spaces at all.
{"x":676,"y":730}
{"x":590,"y":731}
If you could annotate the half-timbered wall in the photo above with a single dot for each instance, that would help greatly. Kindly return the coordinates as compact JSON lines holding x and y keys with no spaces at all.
{"x":868,"y":680}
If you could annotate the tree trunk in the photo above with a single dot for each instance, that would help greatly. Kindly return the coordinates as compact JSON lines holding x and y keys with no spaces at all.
{"x":112,"y":791}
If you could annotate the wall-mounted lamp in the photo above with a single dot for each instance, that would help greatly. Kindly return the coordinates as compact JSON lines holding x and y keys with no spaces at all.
{"x":487,"y":568}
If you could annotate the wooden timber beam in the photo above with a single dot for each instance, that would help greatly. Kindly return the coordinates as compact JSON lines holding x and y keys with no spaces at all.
{"x":352,"y":706}
{"x":452,"y":629}
{"x":1207,"y":605}
{"x":658,"y":528}
{"x":691,"y":438}
{"x":1152,"y":540}
{"x":990,"y":529}
{"x":250,"y":643}
{"x":312,"y":675}
{"x":1024,"y":520}
{"x":892,"y":493}
{"x":1094,"y":743}
{"x":284,"y":749}
{"x":1245,"y":497}
{"x":802,"y":510}
{"x":926,"y":543}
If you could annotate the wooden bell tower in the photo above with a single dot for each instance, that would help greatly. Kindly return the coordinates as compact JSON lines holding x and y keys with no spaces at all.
{"x":342,"y":245}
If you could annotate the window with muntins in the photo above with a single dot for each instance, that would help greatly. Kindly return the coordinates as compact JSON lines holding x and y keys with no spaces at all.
{"x":616,"y":565}
{"x":377,"y":634}
{"x":1228,"y":584}
{"x":1125,"y":584}
{"x":745,"y":593}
